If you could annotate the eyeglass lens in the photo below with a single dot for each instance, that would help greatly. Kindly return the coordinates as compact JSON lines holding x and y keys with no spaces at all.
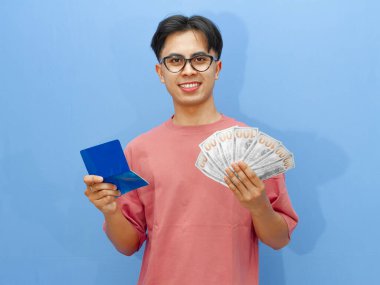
{"x":177,"y":63}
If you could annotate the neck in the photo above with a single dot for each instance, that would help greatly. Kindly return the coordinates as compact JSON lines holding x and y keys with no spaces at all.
{"x":195,"y":115}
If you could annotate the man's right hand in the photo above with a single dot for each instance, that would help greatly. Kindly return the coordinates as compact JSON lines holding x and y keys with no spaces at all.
{"x":102,"y":195}
{"x":119,"y":230}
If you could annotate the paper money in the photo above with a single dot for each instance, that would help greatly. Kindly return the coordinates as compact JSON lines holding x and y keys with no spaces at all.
{"x":212,"y":151}
{"x":225,"y":139}
{"x":265,"y":155}
{"x":274,"y":169}
{"x":244,"y":139}
{"x":264,"y":146}
{"x":208,"y":168}
{"x":279,"y":154}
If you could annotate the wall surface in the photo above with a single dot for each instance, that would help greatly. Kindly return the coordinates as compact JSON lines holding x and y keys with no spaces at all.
{"x":77,"y":73}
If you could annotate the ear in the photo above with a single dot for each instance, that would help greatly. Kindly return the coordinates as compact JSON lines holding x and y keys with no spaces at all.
{"x":218,"y":69}
{"x":160,"y":73}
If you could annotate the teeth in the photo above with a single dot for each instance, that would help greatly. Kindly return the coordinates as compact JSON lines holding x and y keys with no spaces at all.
{"x":190,"y":85}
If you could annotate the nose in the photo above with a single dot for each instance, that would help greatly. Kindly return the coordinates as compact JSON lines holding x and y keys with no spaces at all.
{"x":188,"y":69}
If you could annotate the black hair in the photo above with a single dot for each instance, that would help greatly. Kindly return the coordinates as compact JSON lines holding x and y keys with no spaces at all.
{"x":180,"y":23}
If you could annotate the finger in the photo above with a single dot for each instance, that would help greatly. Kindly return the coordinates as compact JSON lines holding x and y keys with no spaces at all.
{"x":102,"y":186}
{"x":92,"y":179}
{"x":104,"y":193}
{"x":250,"y":174}
{"x":104,"y":201}
{"x":238,"y":184}
{"x":243,"y":177}
{"x":233,"y":188}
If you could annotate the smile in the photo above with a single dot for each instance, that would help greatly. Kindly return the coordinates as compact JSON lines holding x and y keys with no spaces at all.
{"x":190,"y":86}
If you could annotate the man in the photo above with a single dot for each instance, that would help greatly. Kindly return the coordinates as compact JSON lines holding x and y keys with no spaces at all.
{"x":197,"y":231}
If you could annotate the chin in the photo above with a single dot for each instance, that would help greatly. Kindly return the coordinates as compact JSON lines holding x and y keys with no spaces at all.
{"x":191,"y":101}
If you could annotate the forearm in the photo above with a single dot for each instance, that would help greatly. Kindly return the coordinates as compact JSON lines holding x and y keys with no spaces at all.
{"x":270,"y":227}
{"x":121,"y":232}
{"x":249,"y":189}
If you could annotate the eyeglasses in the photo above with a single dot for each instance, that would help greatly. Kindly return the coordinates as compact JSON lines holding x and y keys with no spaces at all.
{"x":176,"y":63}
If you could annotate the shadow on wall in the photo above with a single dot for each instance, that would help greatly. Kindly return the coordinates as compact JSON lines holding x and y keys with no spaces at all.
{"x":311,"y":152}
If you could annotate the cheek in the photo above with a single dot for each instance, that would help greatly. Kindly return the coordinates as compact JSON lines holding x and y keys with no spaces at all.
{"x":211,"y":79}
{"x":169,"y":80}
{"x":213,"y":75}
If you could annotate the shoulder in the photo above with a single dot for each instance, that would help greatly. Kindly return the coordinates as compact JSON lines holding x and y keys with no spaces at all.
{"x":233,"y":122}
{"x":147,"y":138}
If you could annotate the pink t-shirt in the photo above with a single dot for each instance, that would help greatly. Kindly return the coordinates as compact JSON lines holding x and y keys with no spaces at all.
{"x":195,"y":229}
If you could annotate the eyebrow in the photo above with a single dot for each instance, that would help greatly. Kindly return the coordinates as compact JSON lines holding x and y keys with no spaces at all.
{"x":194,"y":54}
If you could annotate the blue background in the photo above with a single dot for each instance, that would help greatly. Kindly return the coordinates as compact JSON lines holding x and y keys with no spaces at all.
{"x":78,"y":73}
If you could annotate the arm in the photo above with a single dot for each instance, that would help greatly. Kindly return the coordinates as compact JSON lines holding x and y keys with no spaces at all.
{"x":122,"y":233}
{"x":119,"y":230}
{"x":270,"y":226}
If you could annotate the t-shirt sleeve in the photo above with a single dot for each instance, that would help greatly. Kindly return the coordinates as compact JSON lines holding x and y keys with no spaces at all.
{"x":280,"y":201}
{"x":131,"y":205}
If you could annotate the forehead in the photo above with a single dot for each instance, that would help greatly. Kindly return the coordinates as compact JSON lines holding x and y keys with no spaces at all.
{"x":185,"y":43}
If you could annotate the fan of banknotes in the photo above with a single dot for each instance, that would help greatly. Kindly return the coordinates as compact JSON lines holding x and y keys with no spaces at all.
{"x":265,"y":155}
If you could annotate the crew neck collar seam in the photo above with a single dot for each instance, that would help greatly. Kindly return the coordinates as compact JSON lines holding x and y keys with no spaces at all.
{"x":198,"y":129}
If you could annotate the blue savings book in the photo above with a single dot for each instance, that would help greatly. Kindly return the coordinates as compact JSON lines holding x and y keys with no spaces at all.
{"x":108,"y":160}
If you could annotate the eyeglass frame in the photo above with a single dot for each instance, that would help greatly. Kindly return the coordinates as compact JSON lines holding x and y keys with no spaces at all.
{"x":213,"y":58}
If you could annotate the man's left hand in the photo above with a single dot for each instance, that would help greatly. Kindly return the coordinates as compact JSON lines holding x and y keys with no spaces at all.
{"x":247,"y":187}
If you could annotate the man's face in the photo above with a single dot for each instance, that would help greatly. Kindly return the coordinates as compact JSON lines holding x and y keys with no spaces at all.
{"x":188,"y":88}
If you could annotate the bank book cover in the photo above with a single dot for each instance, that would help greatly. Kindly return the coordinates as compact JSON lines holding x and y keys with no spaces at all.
{"x":108,"y":160}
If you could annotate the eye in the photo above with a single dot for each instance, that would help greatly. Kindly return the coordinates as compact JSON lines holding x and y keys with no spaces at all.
{"x":174,"y":60}
{"x":201,"y":58}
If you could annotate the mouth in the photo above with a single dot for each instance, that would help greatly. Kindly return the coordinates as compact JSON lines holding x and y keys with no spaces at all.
{"x":189,"y":86}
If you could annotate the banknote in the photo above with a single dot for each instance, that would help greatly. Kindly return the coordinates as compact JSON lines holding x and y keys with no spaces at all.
{"x":225,"y":139}
{"x":212,"y":151}
{"x":209,"y":169}
{"x":263,"y":147}
{"x":274,"y":169}
{"x":244,"y":139}
{"x":263,"y":154}
{"x":280,"y":153}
